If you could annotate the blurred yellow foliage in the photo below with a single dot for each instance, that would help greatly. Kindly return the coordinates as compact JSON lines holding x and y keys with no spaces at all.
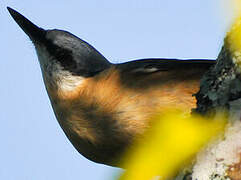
{"x":233,"y":40}
{"x":169,"y":145}
{"x":236,"y":7}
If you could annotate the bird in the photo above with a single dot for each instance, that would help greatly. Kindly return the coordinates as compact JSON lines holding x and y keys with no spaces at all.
{"x":102,"y":106}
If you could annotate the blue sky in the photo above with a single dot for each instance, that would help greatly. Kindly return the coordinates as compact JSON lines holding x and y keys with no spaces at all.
{"x":33,"y":146}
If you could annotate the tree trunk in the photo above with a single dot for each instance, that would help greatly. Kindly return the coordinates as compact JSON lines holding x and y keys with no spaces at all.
{"x":221,"y":89}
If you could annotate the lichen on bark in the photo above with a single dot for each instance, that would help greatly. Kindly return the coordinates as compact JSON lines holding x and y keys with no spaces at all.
{"x":220,"y":88}
{"x":219,"y":85}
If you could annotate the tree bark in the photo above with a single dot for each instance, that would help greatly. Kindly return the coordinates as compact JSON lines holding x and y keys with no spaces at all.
{"x":220,"y":89}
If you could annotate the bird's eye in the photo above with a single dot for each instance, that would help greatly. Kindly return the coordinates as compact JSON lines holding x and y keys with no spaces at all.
{"x":65,"y":58}
{"x":62,"y":56}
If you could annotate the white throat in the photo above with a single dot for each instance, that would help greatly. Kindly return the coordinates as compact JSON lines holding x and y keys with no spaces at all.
{"x":67,"y":82}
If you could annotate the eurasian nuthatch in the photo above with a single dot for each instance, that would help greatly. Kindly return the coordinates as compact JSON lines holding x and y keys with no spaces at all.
{"x":103,"y":106}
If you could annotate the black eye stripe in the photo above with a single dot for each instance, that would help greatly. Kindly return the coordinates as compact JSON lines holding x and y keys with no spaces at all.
{"x":74,"y":54}
{"x":63,"y":56}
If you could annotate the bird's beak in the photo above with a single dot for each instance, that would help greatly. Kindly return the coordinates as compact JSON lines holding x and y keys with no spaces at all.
{"x":34,"y":32}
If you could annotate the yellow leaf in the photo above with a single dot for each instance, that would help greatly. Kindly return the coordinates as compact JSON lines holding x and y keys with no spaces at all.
{"x":169,"y":145}
{"x":232,"y":40}
{"x":236,"y":6}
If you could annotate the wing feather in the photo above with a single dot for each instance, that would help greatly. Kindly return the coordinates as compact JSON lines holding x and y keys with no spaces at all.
{"x":154,"y":65}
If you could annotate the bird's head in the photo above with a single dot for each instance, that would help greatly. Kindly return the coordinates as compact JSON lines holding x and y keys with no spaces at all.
{"x":62,"y":55}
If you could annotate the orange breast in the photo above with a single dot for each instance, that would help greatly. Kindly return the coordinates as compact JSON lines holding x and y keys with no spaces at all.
{"x":134,"y":102}
{"x":110,"y":109}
